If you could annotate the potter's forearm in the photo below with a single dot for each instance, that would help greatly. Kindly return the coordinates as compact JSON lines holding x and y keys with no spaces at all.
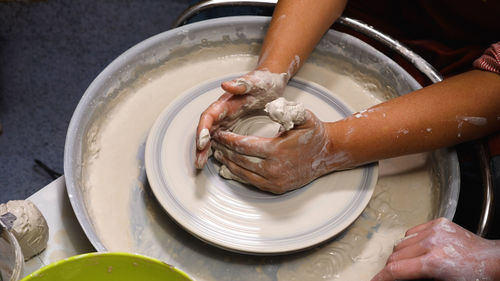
{"x":456,"y":110}
{"x":496,"y":268}
{"x":295,"y":29}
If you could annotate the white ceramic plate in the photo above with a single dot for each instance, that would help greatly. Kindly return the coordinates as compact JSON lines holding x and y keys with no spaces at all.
{"x":239,"y":217}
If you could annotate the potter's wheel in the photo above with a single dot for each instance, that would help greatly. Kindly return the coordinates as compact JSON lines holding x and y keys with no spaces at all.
{"x":104,"y":155}
{"x":238,"y":217}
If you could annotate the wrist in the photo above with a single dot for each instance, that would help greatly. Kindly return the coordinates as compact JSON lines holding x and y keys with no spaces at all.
{"x":338,"y":155}
{"x":265,"y":84}
{"x":274,"y":71}
{"x":279,"y":67}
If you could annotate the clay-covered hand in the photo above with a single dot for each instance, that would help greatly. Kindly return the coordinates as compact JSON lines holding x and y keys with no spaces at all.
{"x":247,"y":93}
{"x":443,"y":250}
{"x":280,"y":164}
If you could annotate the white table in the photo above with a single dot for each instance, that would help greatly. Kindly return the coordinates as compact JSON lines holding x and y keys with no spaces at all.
{"x":66,"y":237}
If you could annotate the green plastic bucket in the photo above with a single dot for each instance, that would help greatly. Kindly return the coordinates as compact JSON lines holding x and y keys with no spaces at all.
{"x":109,"y":267}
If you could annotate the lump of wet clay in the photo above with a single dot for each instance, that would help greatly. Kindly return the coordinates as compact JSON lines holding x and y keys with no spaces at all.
{"x":30,"y":227}
{"x":286,"y":113}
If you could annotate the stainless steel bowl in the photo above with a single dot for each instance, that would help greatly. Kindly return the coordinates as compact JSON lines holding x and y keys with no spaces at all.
{"x":180,"y":42}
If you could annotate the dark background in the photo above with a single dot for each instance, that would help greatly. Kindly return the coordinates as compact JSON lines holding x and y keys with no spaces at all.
{"x":50,"y":51}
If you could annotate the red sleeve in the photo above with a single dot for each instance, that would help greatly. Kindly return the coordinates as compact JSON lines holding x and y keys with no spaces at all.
{"x":490,"y":60}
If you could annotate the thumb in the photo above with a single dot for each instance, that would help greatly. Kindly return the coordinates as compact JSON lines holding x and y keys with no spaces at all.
{"x":236,"y":87}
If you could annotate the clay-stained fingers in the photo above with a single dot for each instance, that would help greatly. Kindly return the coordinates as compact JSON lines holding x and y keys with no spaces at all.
{"x":212,"y":115}
{"x":420,"y":227}
{"x":413,"y":239}
{"x":256,"y":83}
{"x":227,"y":106}
{"x":202,"y":157}
{"x":247,"y":145}
{"x":235,"y":87}
{"x":251,"y":163}
{"x":208,"y":121}
{"x":407,"y":269}
{"x":246,"y":175}
{"x":412,"y":251}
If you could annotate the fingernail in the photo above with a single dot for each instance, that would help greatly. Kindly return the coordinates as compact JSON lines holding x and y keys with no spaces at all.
{"x":242,"y":85}
{"x":203,"y":138}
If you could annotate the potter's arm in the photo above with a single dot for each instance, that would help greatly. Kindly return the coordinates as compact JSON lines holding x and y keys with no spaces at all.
{"x":295,"y":29}
{"x":456,"y":110}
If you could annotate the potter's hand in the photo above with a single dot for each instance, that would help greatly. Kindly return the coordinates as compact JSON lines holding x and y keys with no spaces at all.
{"x":443,"y":250}
{"x":247,"y":93}
{"x":286,"y":162}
